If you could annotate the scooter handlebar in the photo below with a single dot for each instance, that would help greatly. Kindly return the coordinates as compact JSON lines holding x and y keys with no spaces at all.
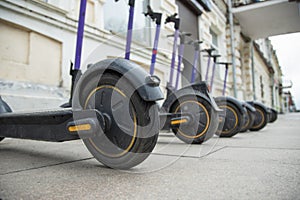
{"x":171,"y":18}
{"x":153,"y":15}
{"x":130,"y":2}
{"x":174,"y":20}
{"x":196,"y":44}
{"x":149,"y":11}
{"x":208,"y":51}
{"x":224,"y":63}
{"x":183,"y":36}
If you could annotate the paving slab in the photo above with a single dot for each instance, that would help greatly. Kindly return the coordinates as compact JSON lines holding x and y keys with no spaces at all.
{"x":252,"y":165}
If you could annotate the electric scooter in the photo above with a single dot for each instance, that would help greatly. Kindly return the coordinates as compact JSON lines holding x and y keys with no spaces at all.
{"x":250,"y":116}
{"x":193,"y":98}
{"x":114,"y":111}
{"x":189,"y":112}
{"x":235,"y":117}
{"x":232,"y":117}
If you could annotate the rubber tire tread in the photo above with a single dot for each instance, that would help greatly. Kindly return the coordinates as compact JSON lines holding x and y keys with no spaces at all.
{"x":212,"y":115}
{"x":265,"y":121}
{"x":237,"y":129}
{"x":143,"y":144}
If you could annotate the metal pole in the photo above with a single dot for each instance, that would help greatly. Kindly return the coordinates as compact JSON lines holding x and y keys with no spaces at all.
{"x":176,"y":35}
{"x":180,"y":57}
{"x":154,"y":50}
{"x":232,"y":47}
{"x":225,"y":80}
{"x":207,"y":69}
{"x":253,"y":71}
{"x":80,"y":32}
{"x":195,"y":65}
{"x":213,"y":73}
{"x":129,"y":30}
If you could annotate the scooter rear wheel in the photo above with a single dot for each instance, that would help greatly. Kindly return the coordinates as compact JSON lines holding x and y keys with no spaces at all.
{"x":274,"y":116}
{"x":261,"y":119}
{"x":232,"y":120}
{"x":200,"y":129}
{"x":249,"y":121}
{"x":4,"y":108}
{"x":131,"y":127}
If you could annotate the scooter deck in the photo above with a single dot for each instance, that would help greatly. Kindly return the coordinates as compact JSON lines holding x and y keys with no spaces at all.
{"x":48,"y":125}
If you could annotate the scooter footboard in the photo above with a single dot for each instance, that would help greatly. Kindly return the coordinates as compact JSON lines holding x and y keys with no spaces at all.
{"x":54,"y":125}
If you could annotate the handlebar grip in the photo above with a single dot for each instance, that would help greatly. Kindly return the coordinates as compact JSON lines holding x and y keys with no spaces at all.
{"x":173,"y":19}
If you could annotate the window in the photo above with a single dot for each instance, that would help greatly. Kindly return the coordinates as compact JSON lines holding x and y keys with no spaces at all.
{"x":116,"y":19}
{"x":214,"y":39}
{"x":215,"y":44}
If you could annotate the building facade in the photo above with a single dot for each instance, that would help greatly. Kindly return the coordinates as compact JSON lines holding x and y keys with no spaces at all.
{"x":37,"y":42}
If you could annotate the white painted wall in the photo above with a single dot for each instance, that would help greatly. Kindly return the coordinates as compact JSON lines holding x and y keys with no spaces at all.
{"x":49,"y":30}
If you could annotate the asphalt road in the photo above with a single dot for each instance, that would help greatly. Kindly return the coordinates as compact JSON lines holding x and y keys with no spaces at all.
{"x":252,"y":165}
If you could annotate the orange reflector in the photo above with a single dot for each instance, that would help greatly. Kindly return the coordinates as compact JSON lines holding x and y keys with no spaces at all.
{"x":180,"y":121}
{"x":82,"y":127}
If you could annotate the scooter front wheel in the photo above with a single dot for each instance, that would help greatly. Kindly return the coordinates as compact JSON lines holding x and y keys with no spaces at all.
{"x":261,"y":119}
{"x":131,"y":124}
{"x":249,"y":120}
{"x":274,"y":116}
{"x":200,"y":128}
{"x":231,"y":121}
{"x":4,"y":108}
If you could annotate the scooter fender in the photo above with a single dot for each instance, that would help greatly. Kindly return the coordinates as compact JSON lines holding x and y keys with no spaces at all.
{"x":233,"y":101}
{"x":147,"y":86}
{"x":187,"y":91}
{"x":249,"y":107}
{"x":202,"y":88}
{"x":256,"y":103}
{"x":4,"y":107}
{"x":265,"y":108}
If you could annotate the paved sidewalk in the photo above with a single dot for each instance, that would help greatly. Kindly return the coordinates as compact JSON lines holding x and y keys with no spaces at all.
{"x":252,"y":165}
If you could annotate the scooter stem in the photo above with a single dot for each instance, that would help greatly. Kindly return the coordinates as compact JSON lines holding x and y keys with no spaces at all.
{"x":195,"y":64}
{"x":129,"y":29}
{"x":176,"y":35}
{"x":209,"y":52}
{"x":213,"y":70}
{"x":225,"y":80}
{"x":176,"y":22}
{"x":80,"y":32}
{"x":196,"y":56}
{"x":157,"y":18}
{"x":180,"y":55}
{"x":225,"y":77}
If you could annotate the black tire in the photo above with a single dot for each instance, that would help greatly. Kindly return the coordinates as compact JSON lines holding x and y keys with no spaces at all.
{"x":132,"y":131}
{"x":274,"y":116}
{"x":261,"y":119}
{"x":248,"y":120}
{"x":4,"y":108}
{"x":202,"y":128}
{"x":232,"y":120}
